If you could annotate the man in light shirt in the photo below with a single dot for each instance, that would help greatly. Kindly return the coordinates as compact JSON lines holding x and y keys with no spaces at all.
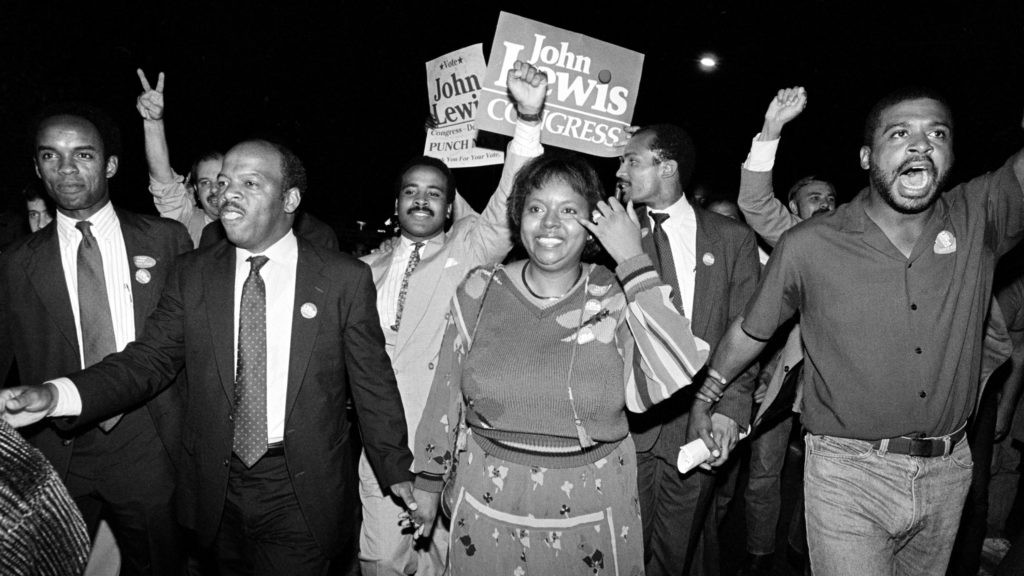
{"x":50,"y":324}
{"x":413,"y":317}
{"x":275,"y":335}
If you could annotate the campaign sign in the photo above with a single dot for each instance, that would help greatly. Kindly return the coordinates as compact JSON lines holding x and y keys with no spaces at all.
{"x":453,"y":89}
{"x":592,"y":85}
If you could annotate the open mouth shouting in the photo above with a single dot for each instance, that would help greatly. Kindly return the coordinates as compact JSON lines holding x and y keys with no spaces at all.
{"x":916,"y":176}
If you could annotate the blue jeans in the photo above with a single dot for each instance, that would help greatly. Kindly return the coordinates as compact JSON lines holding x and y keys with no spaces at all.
{"x":875,"y":513}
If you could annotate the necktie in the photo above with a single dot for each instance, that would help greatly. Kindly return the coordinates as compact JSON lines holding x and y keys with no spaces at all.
{"x":663,"y":254}
{"x":250,"y":436}
{"x":93,"y":306}
{"x":414,"y":260}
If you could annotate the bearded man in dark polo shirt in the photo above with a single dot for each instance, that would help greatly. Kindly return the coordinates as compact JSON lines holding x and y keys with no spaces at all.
{"x":892,"y":291}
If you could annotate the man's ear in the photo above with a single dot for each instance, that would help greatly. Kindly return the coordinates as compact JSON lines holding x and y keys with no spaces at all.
{"x":292,"y":199}
{"x":111,"y":166}
{"x":668,"y":168}
{"x":35,"y":164}
{"x":865,"y":157}
{"x":793,"y":207}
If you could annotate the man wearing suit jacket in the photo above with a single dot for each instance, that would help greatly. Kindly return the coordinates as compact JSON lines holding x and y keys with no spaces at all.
{"x":711,"y":263}
{"x":268,"y":477}
{"x":48,"y":327}
{"x":413,"y":299}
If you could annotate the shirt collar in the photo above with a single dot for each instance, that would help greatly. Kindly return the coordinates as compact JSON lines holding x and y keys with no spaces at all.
{"x":284,"y":251}
{"x":680,"y":212}
{"x":406,"y":243}
{"x":104,"y":223}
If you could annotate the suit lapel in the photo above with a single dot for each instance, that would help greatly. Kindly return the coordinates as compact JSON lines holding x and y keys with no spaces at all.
{"x":219,"y":288}
{"x":310,"y":289}
{"x":46,"y":273}
{"x":137,"y":243}
{"x":707,"y":276}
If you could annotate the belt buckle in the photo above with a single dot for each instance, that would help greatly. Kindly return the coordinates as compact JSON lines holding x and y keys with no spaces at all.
{"x":921,"y":447}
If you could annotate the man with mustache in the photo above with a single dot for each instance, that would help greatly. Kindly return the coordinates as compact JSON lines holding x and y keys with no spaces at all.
{"x":712,"y":265}
{"x":74,"y":292}
{"x":416,"y":276}
{"x":889,"y":386}
{"x":275,"y":335}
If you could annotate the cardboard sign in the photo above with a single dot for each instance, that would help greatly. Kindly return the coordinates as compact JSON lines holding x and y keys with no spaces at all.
{"x":453,"y":89}
{"x":592,"y":85}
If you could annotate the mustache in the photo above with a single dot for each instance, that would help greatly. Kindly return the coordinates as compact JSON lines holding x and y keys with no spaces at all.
{"x":420,"y":209}
{"x":905,"y":165}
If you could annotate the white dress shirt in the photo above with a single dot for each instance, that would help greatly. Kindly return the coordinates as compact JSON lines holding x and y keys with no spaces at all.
{"x":681,"y":228}
{"x":116,"y":274}
{"x":391,"y":286}
{"x":279,"y":277}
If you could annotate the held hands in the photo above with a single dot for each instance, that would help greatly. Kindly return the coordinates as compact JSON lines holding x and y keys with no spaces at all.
{"x":528,"y":86}
{"x":785,"y":106}
{"x":616,"y":227}
{"x":151,"y":102}
{"x":421,"y":513}
{"x":24,"y":405}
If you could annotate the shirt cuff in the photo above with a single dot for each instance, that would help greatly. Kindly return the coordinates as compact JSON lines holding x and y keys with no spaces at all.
{"x":762,"y":155}
{"x":69,"y":402}
{"x":526,"y":140}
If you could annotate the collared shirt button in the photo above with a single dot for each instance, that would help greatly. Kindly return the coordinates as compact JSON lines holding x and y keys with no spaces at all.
{"x":923,"y":394}
{"x":431,"y":365}
{"x":917,"y":350}
{"x":66,"y":442}
{"x":913,"y":306}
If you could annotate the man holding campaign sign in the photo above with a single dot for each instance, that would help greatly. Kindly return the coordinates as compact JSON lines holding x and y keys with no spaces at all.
{"x":593,"y":85}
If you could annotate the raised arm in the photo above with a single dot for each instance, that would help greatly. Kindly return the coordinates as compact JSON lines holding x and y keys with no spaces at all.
{"x":488,"y":240}
{"x":765,"y":213}
{"x":151,"y":107}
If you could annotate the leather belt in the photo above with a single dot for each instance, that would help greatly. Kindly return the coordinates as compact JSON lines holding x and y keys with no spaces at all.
{"x":922,"y":447}
{"x":275,"y":449}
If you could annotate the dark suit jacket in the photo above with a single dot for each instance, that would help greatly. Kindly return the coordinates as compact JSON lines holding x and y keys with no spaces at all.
{"x":723,"y":284}
{"x":37,"y":324}
{"x":336,"y":353}
{"x":307,"y":226}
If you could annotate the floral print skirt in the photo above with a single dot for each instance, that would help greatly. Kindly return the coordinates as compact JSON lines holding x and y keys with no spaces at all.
{"x":516,"y":520}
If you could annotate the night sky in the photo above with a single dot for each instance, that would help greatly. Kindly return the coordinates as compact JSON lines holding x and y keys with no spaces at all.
{"x":343,"y":83}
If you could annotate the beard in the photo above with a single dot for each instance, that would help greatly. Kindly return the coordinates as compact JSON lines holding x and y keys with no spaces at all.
{"x":887,"y":185}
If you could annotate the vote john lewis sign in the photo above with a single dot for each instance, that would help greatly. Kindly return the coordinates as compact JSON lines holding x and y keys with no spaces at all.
{"x":453,"y":88}
{"x":592,"y":85}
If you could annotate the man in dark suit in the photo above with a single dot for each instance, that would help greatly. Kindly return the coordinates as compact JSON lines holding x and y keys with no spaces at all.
{"x":268,"y":476}
{"x":711,"y":263}
{"x":51,"y":325}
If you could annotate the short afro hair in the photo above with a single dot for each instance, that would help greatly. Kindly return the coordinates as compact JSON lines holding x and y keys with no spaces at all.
{"x":670,"y":142}
{"x":874,"y":117}
{"x":104,"y":124}
{"x":430,"y":162}
{"x":567,"y":167}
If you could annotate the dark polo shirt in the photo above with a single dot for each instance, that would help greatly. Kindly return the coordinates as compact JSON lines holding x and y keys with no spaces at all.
{"x":893,"y":344}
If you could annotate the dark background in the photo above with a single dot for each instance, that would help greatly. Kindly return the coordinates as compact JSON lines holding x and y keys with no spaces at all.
{"x":343,"y":83}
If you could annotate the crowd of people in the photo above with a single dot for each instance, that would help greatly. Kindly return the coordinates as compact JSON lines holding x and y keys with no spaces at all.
{"x":523,"y":378}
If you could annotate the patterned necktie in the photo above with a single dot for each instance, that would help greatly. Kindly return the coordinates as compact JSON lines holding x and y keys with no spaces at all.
{"x":414,"y":260}
{"x":663,"y":254}
{"x":250,"y":418}
{"x":93,"y":307}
